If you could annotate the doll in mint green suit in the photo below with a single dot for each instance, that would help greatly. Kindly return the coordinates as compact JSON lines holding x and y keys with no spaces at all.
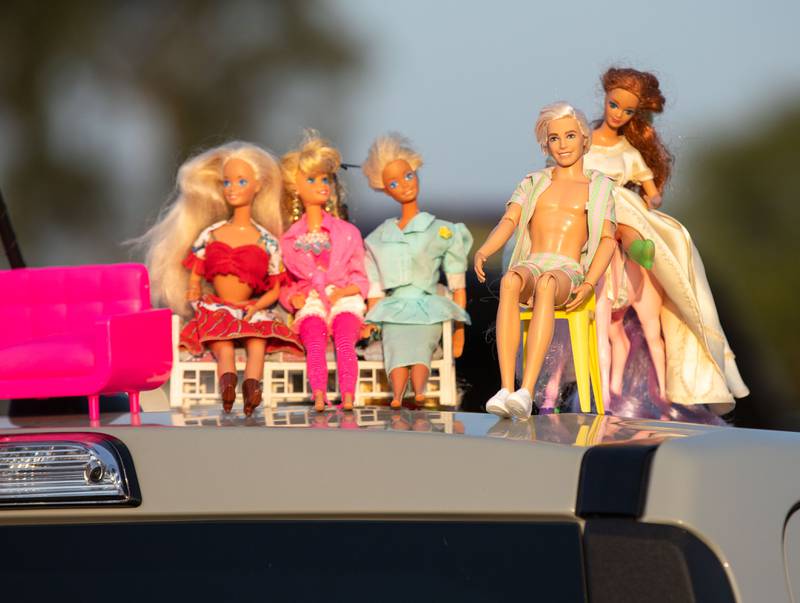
{"x":404,"y":259}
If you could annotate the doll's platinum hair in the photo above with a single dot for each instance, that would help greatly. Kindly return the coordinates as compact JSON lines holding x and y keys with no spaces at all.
{"x":557,"y":111}
{"x":197,"y":203}
{"x":383,"y":151}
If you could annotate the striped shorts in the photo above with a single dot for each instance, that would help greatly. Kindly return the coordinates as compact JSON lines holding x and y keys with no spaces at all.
{"x":536,"y":264}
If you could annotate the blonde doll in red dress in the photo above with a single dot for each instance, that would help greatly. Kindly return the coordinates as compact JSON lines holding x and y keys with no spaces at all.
{"x":215,"y":252}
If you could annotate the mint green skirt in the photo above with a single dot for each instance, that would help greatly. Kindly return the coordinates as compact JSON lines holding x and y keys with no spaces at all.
{"x":406,"y":345}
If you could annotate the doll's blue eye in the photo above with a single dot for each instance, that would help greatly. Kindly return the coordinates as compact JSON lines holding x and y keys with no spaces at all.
{"x":310,"y":180}
{"x":226,"y":183}
{"x":613,"y":105}
{"x":628,"y":111}
{"x":242,"y":182}
{"x":393,"y":184}
{"x":410,"y":176}
{"x":326,"y":180}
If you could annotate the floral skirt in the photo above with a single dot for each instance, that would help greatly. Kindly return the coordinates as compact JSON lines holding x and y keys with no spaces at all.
{"x":218,"y":320}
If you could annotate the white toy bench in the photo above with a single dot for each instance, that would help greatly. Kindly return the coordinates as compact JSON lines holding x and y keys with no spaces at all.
{"x":193,"y":381}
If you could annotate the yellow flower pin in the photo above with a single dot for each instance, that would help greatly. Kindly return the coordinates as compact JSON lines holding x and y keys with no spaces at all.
{"x":445,"y":232}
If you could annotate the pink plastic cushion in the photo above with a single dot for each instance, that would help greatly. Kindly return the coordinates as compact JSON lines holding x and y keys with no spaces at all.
{"x":46,"y":301}
{"x":61,"y":356}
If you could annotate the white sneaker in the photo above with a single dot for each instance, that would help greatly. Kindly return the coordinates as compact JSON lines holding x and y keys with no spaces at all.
{"x":497,"y":403}
{"x":520,"y":404}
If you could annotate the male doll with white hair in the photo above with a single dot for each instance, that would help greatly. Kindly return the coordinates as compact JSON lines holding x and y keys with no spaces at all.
{"x":564,"y":220}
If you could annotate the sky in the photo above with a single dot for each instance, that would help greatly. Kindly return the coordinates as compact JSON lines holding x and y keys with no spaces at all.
{"x":465,"y":80}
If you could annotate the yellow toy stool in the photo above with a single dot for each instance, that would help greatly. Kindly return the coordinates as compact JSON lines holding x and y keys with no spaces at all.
{"x":583,"y":338}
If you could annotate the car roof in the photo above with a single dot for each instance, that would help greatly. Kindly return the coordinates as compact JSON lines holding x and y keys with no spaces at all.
{"x":562,"y":429}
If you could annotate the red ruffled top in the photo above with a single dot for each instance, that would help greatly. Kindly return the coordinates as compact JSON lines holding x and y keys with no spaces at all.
{"x":250,"y":263}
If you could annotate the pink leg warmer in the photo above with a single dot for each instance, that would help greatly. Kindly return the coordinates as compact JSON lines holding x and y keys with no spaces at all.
{"x":314,"y":335}
{"x":346,"y":327}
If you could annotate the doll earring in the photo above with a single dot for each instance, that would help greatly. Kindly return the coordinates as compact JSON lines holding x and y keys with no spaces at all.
{"x":329,"y":206}
{"x":297,"y":208}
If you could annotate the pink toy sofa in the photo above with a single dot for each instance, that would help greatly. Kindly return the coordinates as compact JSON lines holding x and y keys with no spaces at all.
{"x":81,"y":331}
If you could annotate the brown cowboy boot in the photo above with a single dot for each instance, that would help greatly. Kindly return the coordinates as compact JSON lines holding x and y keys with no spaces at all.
{"x":251,"y":392}
{"x":227,"y":390}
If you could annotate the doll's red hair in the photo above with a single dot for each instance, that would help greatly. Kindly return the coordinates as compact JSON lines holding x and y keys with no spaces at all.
{"x":639,"y":130}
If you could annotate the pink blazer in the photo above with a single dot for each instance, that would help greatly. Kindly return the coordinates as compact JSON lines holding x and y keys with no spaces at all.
{"x":346,"y":266}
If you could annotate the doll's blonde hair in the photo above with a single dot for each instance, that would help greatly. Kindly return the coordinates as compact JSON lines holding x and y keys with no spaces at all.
{"x":196,"y":204}
{"x":557,"y":111}
{"x":315,"y":155}
{"x":384,"y":150}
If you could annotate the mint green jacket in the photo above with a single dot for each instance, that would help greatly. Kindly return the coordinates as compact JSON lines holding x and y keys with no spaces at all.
{"x":403,"y":267}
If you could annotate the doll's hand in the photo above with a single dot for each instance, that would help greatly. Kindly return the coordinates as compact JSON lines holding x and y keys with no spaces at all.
{"x":458,"y":341}
{"x":654,"y":202}
{"x":367,"y":330}
{"x":480,"y":260}
{"x":193,"y":293}
{"x":582,"y":293}
{"x":250,"y":311}
{"x":298,"y":300}
{"x":335,"y":295}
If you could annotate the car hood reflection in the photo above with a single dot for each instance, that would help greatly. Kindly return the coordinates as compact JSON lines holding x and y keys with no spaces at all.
{"x":564,"y":429}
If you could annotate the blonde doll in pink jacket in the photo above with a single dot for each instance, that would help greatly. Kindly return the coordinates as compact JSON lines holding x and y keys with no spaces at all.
{"x":324,"y":260}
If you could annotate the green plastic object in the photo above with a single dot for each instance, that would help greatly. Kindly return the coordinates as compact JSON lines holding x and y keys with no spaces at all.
{"x":643,"y":252}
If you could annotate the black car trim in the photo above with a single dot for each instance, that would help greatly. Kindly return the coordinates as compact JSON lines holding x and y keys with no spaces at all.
{"x":630,"y":561}
{"x":614,"y":479}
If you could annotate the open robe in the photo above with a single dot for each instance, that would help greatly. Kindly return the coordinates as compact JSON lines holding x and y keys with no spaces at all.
{"x":701,"y":368}
{"x":599,"y":208}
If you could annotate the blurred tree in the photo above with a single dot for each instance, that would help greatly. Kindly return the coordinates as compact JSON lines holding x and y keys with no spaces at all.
{"x":743,"y":211}
{"x":100,"y":101}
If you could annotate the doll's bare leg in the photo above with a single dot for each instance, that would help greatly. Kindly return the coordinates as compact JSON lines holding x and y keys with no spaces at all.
{"x":620,"y":347}
{"x":223,"y":353}
{"x":253,"y":373}
{"x":508,"y":327}
{"x":627,"y":235}
{"x":256,"y":350}
{"x":399,"y":379}
{"x":603,"y":321}
{"x":419,"y":378}
{"x":647,"y":302}
{"x":551,"y":290}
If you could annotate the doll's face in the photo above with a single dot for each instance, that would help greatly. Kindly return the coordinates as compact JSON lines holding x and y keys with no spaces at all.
{"x":565,"y":141}
{"x":621,"y":106}
{"x":400,"y":181}
{"x":313,"y":189}
{"x":239,"y":184}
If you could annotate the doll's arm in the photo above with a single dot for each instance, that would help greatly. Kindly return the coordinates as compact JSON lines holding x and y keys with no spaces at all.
{"x":265,"y":301}
{"x":601,"y":260}
{"x":357,"y":281}
{"x":194,"y":290}
{"x":497,"y":238}
{"x":642,"y":175}
{"x":652,"y":195}
{"x":460,"y":298}
{"x":340,"y":292}
{"x":375,"y":293}
{"x":455,"y":262}
{"x":287,"y":292}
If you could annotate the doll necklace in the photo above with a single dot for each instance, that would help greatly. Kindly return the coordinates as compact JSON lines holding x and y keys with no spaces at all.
{"x":236,"y":226}
{"x":314,"y":241}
